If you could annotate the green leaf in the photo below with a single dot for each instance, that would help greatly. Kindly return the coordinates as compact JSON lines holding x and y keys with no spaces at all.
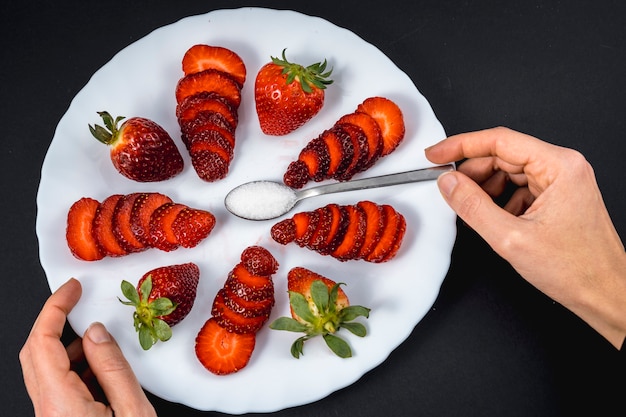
{"x":339,"y":346}
{"x":162,"y":306}
{"x":298,"y":346}
{"x":146,"y":288}
{"x":301,"y":307}
{"x":162,"y":330}
{"x":319,"y":294}
{"x":351,"y":312}
{"x":355,"y":328}
{"x":288,"y":324}
{"x":146,"y":339}
{"x":334,"y":293}
{"x":130,"y":293}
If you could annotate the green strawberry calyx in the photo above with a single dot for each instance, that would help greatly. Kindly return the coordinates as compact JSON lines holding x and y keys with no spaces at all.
{"x":321,"y":316}
{"x":313,"y":75}
{"x":110,"y":132}
{"x":148,"y":314}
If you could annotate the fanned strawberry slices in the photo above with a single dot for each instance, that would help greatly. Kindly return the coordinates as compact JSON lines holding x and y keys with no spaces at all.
{"x":352,"y":145}
{"x":124,"y":224}
{"x":208,"y":98}
{"x":241,"y":307}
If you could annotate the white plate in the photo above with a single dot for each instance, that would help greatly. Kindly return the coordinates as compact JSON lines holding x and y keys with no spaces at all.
{"x":140,"y":81}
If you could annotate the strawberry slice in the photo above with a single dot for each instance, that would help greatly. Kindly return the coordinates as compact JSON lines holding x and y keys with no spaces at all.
{"x":315,"y":156}
{"x":234,"y":321}
{"x":102,"y":228}
{"x":192,"y":225}
{"x":391,"y":237}
{"x":306,"y":224}
{"x":223,"y":352}
{"x":375,"y":220}
{"x":211,"y":140}
{"x":248,"y":286}
{"x":189,"y":108}
{"x":203,"y":57}
{"x":337,"y":230}
{"x":78,"y":233}
{"x":361,"y":151}
{"x":212,"y":81}
{"x":122,"y":225}
{"x":284,"y":231}
{"x":348,"y":150}
{"x":207,"y":120}
{"x":355,"y":235}
{"x":317,"y":240}
{"x":258,"y":261}
{"x":247,"y":308}
{"x":372,"y":132}
{"x":145,"y":204}
{"x":336,"y":150}
{"x":389,"y":118}
{"x":161,"y":234}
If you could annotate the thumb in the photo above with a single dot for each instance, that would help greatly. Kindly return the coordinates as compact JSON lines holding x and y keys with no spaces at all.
{"x":472,"y":204}
{"x":114,"y":374}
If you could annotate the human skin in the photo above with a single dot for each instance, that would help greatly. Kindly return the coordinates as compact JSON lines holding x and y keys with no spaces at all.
{"x":555,"y":229}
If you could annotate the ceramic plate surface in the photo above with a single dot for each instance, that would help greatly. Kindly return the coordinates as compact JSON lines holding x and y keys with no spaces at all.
{"x":140,"y":81}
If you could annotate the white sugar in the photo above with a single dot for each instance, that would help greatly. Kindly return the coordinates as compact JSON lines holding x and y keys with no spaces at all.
{"x":260,"y":200}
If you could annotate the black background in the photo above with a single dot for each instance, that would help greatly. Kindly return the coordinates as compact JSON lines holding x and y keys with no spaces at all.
{"x":491,"y":345}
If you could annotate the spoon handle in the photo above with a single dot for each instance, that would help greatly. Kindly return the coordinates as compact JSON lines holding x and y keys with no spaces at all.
{"x":417,"y":175}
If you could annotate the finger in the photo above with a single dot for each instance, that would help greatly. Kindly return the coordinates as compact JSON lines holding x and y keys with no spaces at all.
{"x":476,"y":207}
{"x":519,"y":202}
{"x":43,"y":358}
{"x":512,"y":149}
{"x":114,"y":373}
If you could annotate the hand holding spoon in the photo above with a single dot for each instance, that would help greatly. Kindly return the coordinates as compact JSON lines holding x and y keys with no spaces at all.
{"x":265,"y":200}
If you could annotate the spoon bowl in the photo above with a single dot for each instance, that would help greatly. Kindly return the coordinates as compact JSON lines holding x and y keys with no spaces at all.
{"x":265,"y":200}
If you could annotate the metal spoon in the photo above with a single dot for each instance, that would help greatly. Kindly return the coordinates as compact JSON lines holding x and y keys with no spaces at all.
{"x":264,"y":200}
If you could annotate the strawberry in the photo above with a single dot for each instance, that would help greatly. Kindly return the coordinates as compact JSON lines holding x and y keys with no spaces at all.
{"x":352,"y":145}
{"x":191,"y":226}
{"x":140,"y":149}
{"x":319,"y":307}
{"x":122,"y":225}
{"x":163,"y":297}
{"x":287,"y":95}
{"x":78,"y":233}
{"x":202,"y":57}
{"x":102,"y":227}
{"x":223,"y":352}
{"x":389,"y":117}
{"x":365,"y":230}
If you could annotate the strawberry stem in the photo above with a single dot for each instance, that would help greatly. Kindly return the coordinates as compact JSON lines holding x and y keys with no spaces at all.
{"x":310,"y":77}
{"x":110,"y":132}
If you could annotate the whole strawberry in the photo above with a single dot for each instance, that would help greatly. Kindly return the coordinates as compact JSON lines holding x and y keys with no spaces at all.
{"x":140,"y":148}
{"x":163,"y":297}
{"x":288,"y":95}
{"x":319,"y":307}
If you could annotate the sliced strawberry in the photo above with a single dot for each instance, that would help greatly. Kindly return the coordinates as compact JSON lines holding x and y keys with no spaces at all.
{"x":223,"y":352}
{"x":317,"y":241}
{"x":258,"y":261}
{"x":248,"y":286}
{"x":207,"y":120}
{"x":315,"y":156}
{"x":211,"y":81}
{"x":191,"y":226}
{"x":284,"y":231}
{"x":306,"y":224}
{"x":145,"y":204}
{"x":209,"y":165}
{"x":336,"y":150}
{"x":372,"y":132}
{"x":391,"y":236}
{"x":247,"y":308}
{"x":361,"y":151}
{"x":297,"y":174}
{"x":354,"y":237}
{"x":232,"y":320}
{"x":211,"y":140}
{"x":389,"y":118}
{"x":337,"y":230}
{"x":161,"y":234}
{"x":103,"y":227}
{"x":79,"y":234}
{"x":348,"y":150}
{"x":203,"y":57}
{"x":375,"y":219}
{"x":189,"y":108}
{"x":122,"y":224}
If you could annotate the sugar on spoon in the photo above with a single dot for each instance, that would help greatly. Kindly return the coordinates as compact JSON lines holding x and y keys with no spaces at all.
{"x":265,"y":200}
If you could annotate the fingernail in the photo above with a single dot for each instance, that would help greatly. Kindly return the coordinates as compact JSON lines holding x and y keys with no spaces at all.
{"x":97,"y":333}
{"x":447,"y":181}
